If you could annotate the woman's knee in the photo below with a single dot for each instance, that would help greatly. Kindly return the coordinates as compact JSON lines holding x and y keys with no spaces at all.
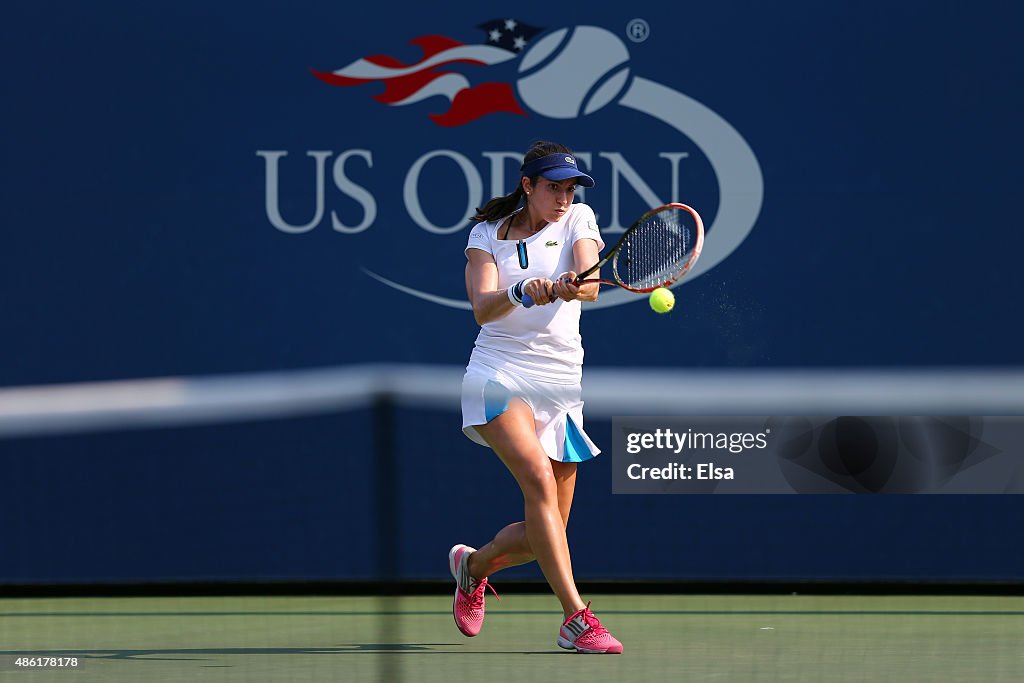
{"x":539,"y":485}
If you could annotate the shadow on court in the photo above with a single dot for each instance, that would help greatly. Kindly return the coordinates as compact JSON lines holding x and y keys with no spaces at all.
{"x":198,"y":654}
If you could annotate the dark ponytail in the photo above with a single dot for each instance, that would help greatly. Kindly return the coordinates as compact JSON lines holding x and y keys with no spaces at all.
{"x":499,"y":207}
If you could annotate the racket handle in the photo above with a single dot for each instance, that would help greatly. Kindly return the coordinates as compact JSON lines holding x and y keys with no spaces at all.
{"x":528,"y":300}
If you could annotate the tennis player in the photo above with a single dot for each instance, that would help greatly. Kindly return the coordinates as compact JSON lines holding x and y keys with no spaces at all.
{"x":521,"y":392}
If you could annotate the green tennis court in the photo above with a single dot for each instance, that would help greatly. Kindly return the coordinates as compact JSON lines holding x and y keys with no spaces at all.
{"x":667,"y":637}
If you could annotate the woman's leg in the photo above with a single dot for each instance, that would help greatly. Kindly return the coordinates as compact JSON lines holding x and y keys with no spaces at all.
{"x":510,"y":546}
{"x":512,"y":435}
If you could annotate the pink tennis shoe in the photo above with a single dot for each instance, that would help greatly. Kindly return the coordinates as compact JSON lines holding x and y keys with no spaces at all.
{"x":584,"y":633}
{"x":468,"y":608}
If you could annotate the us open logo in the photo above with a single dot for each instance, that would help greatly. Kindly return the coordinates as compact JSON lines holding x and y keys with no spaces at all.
{"x":564,"y":74}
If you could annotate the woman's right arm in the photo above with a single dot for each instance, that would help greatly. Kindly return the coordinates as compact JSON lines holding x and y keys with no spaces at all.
{"x":489,"y":302}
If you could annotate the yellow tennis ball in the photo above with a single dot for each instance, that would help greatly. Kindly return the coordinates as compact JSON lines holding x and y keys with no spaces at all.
{"x":662,"y":300}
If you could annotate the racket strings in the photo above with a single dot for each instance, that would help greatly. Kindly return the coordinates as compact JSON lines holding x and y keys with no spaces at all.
{"x":656,"y":251}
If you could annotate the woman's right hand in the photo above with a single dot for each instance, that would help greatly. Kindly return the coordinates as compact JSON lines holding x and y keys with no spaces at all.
{"x":540,"y":289}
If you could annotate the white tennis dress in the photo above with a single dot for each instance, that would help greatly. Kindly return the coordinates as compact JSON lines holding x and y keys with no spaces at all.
{"x":535,"y":354}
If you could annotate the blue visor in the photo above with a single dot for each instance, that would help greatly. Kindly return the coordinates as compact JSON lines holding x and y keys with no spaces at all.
{"x":556,"y":167}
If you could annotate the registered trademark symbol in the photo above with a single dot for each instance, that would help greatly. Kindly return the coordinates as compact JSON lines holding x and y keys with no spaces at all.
{"x":638,"y":30}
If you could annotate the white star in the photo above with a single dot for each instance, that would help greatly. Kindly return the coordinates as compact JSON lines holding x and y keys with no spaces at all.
{"x":519,"y":43}
{"x":495,"y":35}
{"x":510,"y":24}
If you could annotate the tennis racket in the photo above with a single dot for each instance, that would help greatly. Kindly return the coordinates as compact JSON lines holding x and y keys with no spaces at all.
{"x":658,"y":249}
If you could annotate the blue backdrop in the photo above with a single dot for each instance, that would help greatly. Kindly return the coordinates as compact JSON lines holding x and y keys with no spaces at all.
{"x":184,"y":195}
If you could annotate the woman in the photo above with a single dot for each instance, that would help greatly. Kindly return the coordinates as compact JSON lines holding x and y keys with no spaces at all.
{"x":521,"y":392}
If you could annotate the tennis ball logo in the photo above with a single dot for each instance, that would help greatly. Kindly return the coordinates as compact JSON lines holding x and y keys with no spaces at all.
{"x":572,"y":72}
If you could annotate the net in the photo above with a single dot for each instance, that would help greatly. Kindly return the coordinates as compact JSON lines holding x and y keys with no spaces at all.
{"x":198,"y":400}
{"x":359,"y":476}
